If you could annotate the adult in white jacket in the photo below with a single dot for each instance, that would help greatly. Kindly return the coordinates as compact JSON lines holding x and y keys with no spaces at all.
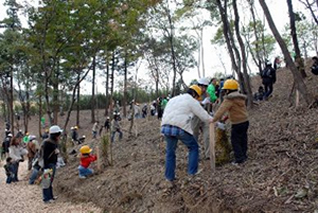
{"x":16,"y":152}
{"x":176,"y":125}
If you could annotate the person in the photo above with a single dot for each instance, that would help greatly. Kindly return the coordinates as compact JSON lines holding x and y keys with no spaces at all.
{"x":268,"y":79}
{"x":43,"y":122}
{"x":211,"y":90}
{"x":197,"y":124}
{"x":32,"y":147}
{"x":234,"y":104}
{"x":153,"y":108}
{"x":144,"y":111}
{"x":50,"y":155}
{"x":45,"y":134}
{"x":314,"y":67}
{"x":116,"y":128}
{"x":9,"y":168}
{"x":95,"y":129}
{"x":86,"y":159}
{"x":117,"y":107}
{"x":36,"y":169}
{"x":26,"y":138}
{"x":259,"y":95}
{"x":159,"y":109}
{"x":163,"y":104}
{"x":277,"y":63}
{"x":176,"y":125}
{"x":107,"y":124}
{"x":75,"y":135}
{"x":6,"y":144}
{"x":19,"y":134}
{"x":16,"y":152}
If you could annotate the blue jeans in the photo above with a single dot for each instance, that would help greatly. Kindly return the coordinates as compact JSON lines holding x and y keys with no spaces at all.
{"x":193,"y":158}
{"x":94,"y":134}
{"x":48,"y":193}
{"x":84,"y":171}
{"x":34,"y":175}
{"x":114,"y":133}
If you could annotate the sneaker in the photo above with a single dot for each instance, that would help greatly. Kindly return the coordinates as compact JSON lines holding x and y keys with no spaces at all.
{"x":82,"y":177}
{"x":55,"y":198}
{"x":49,"y":201}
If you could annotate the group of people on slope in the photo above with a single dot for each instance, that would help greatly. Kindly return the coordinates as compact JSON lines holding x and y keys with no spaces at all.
{"x":15,"y":149}
{"x":181,"y":117}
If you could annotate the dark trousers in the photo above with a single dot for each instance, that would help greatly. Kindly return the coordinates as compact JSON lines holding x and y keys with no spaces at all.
{"x":239,"y":141}
{"x":48,"y":193}
{"x":15,"y":171}
{"x":268,"y":88}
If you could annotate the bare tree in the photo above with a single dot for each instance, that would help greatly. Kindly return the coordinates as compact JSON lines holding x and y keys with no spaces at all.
{"x":293,"y":33}
{"x":297,"y":76}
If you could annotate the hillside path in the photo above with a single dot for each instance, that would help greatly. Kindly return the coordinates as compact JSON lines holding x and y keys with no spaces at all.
{"x":22,"y":197}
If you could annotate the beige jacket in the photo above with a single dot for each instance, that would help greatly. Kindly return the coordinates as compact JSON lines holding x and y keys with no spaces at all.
{"x":234,"y":104}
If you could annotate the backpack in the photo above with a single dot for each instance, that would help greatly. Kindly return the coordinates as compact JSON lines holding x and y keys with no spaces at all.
{"x":266,"y":72}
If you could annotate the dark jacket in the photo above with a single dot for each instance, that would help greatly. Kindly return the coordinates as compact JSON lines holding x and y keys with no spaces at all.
{"x":49,"y":156}
{"x":268,"y":75}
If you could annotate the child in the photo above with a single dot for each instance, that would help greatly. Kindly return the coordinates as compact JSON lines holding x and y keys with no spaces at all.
{"x":116,"y":128}
{"x":234,"y":104}
{"x":95,"y":129}
{"x":86,"y":159}
{"x":9,"y":167}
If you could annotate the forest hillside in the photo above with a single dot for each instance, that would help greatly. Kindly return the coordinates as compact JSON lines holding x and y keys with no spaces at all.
{"x":279,"y":176}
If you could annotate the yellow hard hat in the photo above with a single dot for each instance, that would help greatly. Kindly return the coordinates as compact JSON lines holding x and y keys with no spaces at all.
{"x":75,"y":127}
{"x":231,"y":84}
{"x":85,"y":149}
{"x":197,"y":89}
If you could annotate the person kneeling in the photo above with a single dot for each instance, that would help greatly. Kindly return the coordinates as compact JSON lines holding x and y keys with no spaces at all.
{"x":86,"y":159}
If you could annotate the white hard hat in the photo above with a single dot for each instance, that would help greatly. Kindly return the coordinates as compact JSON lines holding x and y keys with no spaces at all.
{"x":32,"y":137}
{"x":55,"y":129}
{"x":203,"y":81}
{"x":9,"y":135}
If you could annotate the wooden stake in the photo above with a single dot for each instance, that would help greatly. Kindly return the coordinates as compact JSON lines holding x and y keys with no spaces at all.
{"x":212,"y":146}
{"x":98,"y":159}
{"x":297,"y":97}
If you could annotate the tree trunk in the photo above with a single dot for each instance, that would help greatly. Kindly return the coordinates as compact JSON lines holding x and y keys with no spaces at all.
{"x":297,"y":76}
{"x":26,"y":116}
{"x":93,"y":92}
{"x":173,"y":56}
{"x":230,"y":44}
{"x":11,"y":102}
{"x":259,"y":61}
{"x":78,"y":100}
{"x":55,"y":99}
{"x":107,"y":88}
{"x":40,"y":115}
{"x":125,"y":86}
{"x":242,"y":46}
{"x":293,"y":33}
{"x":202,"y":52}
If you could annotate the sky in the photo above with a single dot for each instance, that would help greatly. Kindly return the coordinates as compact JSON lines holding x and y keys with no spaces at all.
{"x":214,"y":57}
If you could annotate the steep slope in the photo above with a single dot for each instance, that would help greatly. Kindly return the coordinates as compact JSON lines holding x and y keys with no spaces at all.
{"x":280,"y":175}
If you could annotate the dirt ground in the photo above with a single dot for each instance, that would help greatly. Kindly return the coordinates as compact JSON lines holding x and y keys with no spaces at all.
{"x":22,"y":197}
{"x":279,"y":176}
